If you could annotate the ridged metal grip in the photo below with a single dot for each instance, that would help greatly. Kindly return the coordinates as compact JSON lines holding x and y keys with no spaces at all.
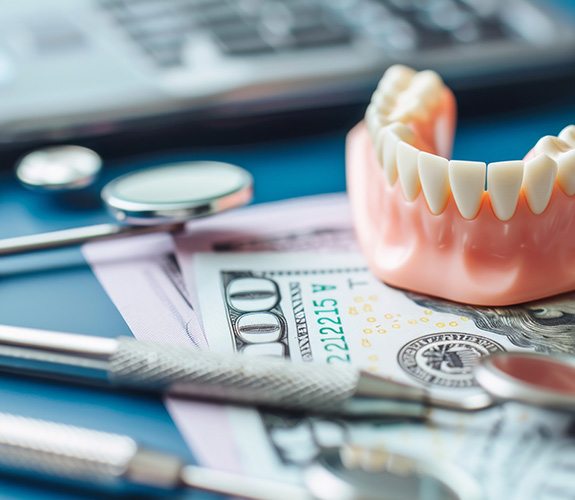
{"x":242,"y":379}
{"x":47,"y":449}
{"x":63,"y":451}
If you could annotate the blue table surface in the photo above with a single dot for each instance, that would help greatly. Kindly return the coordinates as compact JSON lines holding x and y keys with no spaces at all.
{"x":57,"y":290}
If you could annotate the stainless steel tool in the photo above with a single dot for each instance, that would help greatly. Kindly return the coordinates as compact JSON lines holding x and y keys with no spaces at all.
{"x":59,"y":168}
{"x":542,"y":380}
{"x":116,"y":462}
{"x":308,"y":387}
{"x":151,"y":200}
{"x":535,"y":379}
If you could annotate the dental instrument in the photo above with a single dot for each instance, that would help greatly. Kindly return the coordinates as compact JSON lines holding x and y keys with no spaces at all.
{"x":535,"y":379}
{"x":116,"y":462}
{"x":125,"y":363}
{"x":528,"y":378}
{"x":544,"y":381}
{"x":151,"y":200}
{"x":59,"y":168}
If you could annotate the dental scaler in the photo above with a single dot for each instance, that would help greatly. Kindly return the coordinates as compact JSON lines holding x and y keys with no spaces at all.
{"x":496,"y":234}
{"x":126,"y":363}
{"x":113,"y":463}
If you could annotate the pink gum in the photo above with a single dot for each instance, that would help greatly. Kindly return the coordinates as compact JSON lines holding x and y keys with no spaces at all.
{"x":483,"y":261}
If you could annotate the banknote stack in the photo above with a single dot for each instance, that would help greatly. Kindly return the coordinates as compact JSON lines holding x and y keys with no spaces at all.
{"x":287,"y":280}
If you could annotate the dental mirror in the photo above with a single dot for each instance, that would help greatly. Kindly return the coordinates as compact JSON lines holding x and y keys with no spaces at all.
{"x":546,"y":381}
{"x":361,"y":473}
{"x":156,"y":199}
{"x":59,"y":168}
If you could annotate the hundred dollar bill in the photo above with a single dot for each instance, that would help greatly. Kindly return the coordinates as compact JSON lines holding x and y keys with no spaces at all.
{"x":513,"y":450}
{"x":146,"y":283}
{"x":328,"y":308}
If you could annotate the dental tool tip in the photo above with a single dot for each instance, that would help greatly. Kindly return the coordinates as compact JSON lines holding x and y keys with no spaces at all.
{"x":237,"y":485}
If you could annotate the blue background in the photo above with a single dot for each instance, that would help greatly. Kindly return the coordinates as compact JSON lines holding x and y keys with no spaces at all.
{"x":57,"y":290}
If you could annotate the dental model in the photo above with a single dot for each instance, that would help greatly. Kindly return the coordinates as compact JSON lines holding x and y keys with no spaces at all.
{"x":495,"y":234}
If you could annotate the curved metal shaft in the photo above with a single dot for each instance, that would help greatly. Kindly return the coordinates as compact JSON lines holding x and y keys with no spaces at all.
{"x":75,"y":236}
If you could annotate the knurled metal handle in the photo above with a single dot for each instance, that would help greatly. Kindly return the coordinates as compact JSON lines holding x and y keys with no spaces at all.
{"x":72,"y":453}
{"x":243,"y":379}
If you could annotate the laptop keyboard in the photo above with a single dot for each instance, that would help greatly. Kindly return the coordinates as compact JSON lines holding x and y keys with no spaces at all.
{"x":161,"y":28}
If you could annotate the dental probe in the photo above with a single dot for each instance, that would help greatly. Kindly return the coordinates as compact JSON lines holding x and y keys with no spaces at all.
{"x":113,"y":461}
{"x":130,"y":364}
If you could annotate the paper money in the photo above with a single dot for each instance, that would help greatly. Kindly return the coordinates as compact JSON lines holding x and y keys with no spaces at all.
{"x":328,"y":308}
{"x":143,"y":280}
{"x":517,"y":453}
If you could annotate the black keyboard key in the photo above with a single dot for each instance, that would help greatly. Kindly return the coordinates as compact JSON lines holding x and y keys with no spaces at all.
{"x":217,"y":14}
{"x":321,"y":35}
{"x":161,"y":26}
{"x":276,"y":21}
{"x":245,"y":46}
{"x":394,"y":34}
{"x":447,"y":16}
{"x":469,"y":32}
{"x":249,"y":41}
{"x":494,"y":29}
{"x":164,"y":43}
{"x":238,"y":29}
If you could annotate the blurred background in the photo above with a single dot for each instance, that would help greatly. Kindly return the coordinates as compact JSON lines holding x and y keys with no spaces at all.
{"x":126,"y":76}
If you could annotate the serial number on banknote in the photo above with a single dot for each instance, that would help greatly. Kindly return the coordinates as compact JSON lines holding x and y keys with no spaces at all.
{"x":332,"y":335}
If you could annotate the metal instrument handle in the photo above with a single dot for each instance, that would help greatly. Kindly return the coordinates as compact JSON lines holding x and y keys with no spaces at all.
{"x":113,"y":461}
{"x":75,"y":236}
{"x":75,"y":454}
{"x":265,"y":381}
{"x":196,"y":374}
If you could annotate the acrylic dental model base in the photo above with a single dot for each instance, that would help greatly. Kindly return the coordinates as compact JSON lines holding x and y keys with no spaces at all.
{"x":486,"y":235}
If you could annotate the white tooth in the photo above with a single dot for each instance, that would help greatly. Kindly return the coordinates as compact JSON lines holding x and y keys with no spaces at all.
{"x":566,"y":172}
{"x":407,"y":170}
{"x":383,"y":102}
{"x":373,"y":121}
{"x":551,"y":146}
{"x":568,"y":135}
{"x":427,"y":85}
{"x":393,"y":134}
{"x":396,"y":78}
{"x":467,"y":179}
{"x":434,"y":175}
{"x":409,"y":109}
{"x":378,"y":144}
{"x":538,"y":181}
{"x":504,"y":183}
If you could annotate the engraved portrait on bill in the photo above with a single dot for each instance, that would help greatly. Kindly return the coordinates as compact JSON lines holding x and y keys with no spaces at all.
{"x":546,"y":325}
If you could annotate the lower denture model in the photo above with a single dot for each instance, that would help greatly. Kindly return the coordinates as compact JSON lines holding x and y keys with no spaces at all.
{"x":496,"y":234}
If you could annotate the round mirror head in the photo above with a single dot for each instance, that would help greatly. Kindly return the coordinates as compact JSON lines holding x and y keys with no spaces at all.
{"x":371,"y":473}
{"x":177,"y":192}
{"x":59,"y":168}
{"x":536,"y":379}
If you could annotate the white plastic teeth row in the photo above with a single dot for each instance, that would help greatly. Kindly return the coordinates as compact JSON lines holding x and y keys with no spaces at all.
{"x":553,"y":161}
{"x":403,"y":95}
